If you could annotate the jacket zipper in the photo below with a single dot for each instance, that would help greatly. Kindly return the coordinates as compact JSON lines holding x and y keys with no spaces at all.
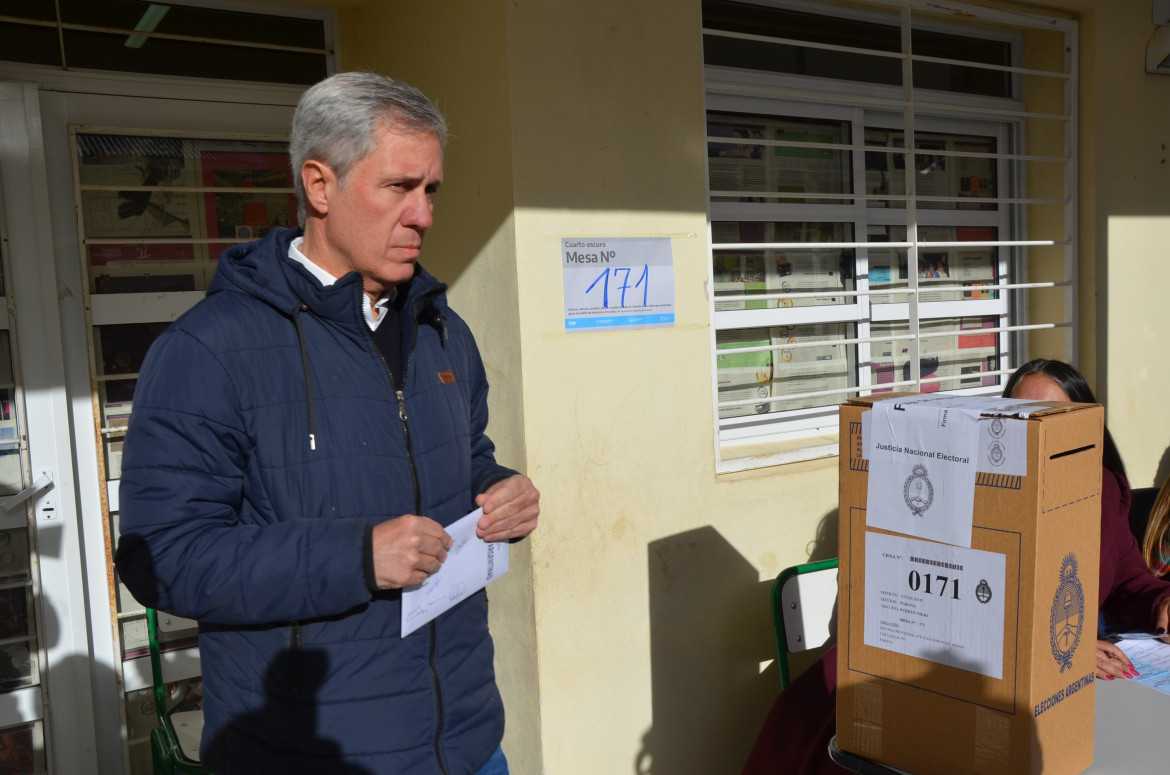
{"x":438,"y":695}
{"x":402,"y":416}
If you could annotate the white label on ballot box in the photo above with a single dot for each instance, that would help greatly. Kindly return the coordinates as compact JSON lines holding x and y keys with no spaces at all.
{"x":935,"y":601}
{"x":922,"y":469}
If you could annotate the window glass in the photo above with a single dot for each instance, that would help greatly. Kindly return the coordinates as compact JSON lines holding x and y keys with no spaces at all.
{"x":132,"y":36}
{"x":18,"y":635}
{"x":19,"y":642}
{"x":877,"y":31}
{"x":22,"y":749}
{"x":803,"y":165}
{"x":826,"y":272}
{"x":157,"y":212}
{"x":799,"y":368}
{"x":951,"y":166}
{"x":847,"y":212}
{"x":162,"y":56}
{"x":193,"y":21}
{"x":28,"y":44}
{"x":952,"y":353}
{"x":155,"y":215}
{"x":972,"y":268}
{"x":765,"y":370}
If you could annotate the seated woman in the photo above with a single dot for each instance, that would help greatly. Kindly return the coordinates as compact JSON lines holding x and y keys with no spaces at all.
{"x":796,"y":734}
{"x":1130,"y":596}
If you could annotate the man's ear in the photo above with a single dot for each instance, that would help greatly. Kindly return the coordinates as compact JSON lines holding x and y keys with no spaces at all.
{"x":319,"y":181}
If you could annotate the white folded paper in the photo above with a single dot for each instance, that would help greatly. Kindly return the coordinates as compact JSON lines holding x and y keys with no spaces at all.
{"x":471,"y":564}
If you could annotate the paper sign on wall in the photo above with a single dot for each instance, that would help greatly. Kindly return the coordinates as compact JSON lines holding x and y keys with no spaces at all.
{"x":936,"y":602}
{"x":617,"y":283}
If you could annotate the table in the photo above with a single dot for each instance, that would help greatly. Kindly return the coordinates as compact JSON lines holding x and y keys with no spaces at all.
{"x":1130,"y":729}
{"x":1131,"y":723}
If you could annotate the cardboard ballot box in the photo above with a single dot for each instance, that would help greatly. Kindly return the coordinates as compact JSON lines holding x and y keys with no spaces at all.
{"x":972,"y":659}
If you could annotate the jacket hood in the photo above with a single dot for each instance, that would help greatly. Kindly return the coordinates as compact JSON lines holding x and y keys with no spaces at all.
{"x":262,"y":269}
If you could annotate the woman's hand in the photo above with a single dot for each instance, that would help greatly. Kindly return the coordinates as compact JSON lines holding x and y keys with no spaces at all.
{"x":1112,"y":662}
{"x":1162,"y":619}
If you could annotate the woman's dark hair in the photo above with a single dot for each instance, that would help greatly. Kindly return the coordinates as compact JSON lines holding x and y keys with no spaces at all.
{"x":1077,"y":389}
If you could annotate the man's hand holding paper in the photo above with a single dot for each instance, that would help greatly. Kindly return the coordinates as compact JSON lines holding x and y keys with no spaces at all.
{"x":408,"y":549}
{"x":510,"y":509}
{"x":471,"y":563}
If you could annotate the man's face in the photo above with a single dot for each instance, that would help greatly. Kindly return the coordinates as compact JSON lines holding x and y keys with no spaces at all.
{"x":378,"y":215}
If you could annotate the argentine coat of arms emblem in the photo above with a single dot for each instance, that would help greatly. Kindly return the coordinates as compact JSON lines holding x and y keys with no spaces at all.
{"x":1068,"y":614}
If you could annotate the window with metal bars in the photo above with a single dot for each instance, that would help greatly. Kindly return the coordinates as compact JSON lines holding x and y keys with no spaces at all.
{"x":167,"y":39}
{"x":890,"y":208}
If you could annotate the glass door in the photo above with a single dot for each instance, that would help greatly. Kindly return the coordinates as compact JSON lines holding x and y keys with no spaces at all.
{"x":143,"y":195}
{"x":156,"y":191}
{"x":156,"y":211}
{"x":22,"y":727}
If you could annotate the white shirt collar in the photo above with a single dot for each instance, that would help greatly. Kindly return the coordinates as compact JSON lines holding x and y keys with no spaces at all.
{"x":326,"y":279}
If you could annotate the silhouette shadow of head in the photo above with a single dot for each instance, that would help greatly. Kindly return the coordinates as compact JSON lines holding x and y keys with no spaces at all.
{"x":709,"y":627}
{"x":280,"y":736}
{"x":288,"y":715}
{"x":36,"y":647}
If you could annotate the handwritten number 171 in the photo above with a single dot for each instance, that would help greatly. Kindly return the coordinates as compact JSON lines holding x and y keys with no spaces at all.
{"x":622,"y":284}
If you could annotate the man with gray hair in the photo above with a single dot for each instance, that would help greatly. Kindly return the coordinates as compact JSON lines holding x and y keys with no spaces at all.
{"x":299,"y":441}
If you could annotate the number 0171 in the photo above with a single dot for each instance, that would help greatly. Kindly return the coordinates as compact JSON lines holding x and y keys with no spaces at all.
{"x":922,"y":581}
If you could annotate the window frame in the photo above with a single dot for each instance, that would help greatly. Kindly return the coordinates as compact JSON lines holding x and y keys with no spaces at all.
{"x":778,"y":437}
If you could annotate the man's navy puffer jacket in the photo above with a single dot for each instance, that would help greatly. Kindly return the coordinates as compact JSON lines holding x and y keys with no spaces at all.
{"x":265,"y":439}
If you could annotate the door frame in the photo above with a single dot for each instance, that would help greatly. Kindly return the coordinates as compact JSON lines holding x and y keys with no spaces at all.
{"x":36,"y":329}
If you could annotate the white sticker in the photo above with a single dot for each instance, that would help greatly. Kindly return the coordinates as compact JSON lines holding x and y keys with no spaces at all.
{"x":1003,"y":446}
{"x":936,"y":602}
{"x":1003,"y":440}
{"x":922,"y":469}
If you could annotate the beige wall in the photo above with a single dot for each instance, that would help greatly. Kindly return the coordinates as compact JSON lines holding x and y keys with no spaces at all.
{"x":1138,"y":374}
{"x":1125,"y":215}
{"x":651,"y":574}
{"x":1132,"y":164}
{"x":456,"y":53}
{"x":650,"y":577}
{"x":634,"y":626}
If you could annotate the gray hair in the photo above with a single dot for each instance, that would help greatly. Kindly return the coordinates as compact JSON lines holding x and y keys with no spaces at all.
{"x":338,"y":118}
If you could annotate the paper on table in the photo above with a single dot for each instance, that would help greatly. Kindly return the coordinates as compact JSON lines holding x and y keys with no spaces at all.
{"x":1151,"y":658}
{"x":470,"y":565}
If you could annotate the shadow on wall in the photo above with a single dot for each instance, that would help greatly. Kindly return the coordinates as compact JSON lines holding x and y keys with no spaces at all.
{"x":1163,"y":472}
{"x":825,"y":545}
{"x":20,"y":665}
{"x":709,"y":632}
